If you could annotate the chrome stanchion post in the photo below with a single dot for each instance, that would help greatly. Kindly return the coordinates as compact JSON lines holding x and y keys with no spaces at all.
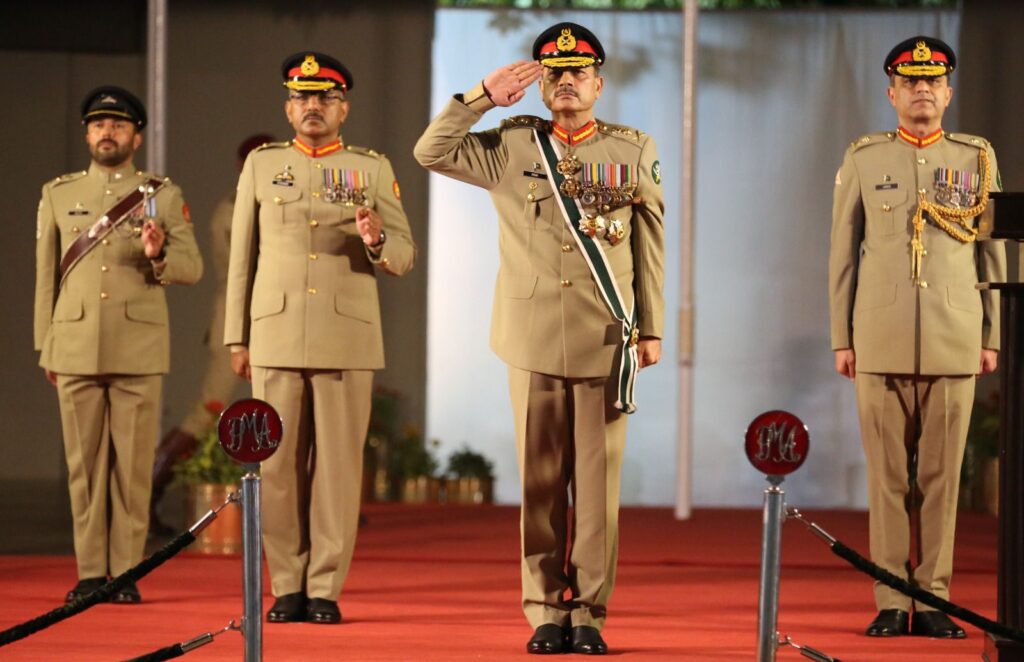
{"x":768,"y":598}
{"x":250,"y":431}
{"x":776,"y":444}
{"x":252,"y":564}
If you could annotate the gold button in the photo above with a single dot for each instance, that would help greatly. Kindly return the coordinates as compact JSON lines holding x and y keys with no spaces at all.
{"x":316,"y":194}
{"x":530,"y":197}
{"x":384,"y":262}
{"x":313,"y":223}
{"x":886,"y":207}
{"x":921,"y":160}
{"x":566,"y":283}
{"x":319,"y":165}
{"x":313,"y":256}
{"x":108,"y":192}
{"x":105,"y":242}
{"x":165,"y":283}
{"x":277,"y":200}
{"x":567,"y":248}
{"x":312,"y":290}
{"x":922,"y":190}
{"x":104,"y":269}
{"x":924,"y":285}
{"x":104,"y":295}
{"x":117,"y":175}
{"x":75,"y":229}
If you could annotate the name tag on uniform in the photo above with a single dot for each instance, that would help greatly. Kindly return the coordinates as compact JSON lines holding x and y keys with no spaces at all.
{"x":886,"y":187}
{"x":538,"y":175}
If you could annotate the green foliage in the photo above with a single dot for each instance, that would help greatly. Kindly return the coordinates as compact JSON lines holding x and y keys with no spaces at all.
{"x":209,"y":464}
{"x":466,"y":463}
{"x":645,"y":5}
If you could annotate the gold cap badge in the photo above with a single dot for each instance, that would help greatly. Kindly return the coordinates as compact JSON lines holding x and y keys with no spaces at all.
{"x":921,"y":52}
{"x":309,"y":66}
{"x":566,"y":42}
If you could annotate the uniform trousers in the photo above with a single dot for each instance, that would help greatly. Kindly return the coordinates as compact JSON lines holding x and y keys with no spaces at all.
{"x":569,"y":444}
{"x":110,"y":427}
{"x":901,"y":417}
{"x":311,"y":485}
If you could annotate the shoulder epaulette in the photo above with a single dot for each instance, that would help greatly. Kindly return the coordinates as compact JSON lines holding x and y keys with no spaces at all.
{"x":873,"y":139}
{"x":968,"y":139}
{"x":153,"y":175}
{"x":365,"y":151}
{"x":69,"y":177}
{"x":526,"y":122}
{"x":277,"y":145}
{"x":621,"y":131}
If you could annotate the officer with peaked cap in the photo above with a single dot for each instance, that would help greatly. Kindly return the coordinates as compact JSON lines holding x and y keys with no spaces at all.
{"x":315,"y":222}
{"x":908,"y":325}
{"x":578,"y":309}
{"x":107,"y":240}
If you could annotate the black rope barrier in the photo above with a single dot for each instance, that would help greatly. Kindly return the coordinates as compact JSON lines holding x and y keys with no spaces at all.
{"x":179,"y":649}
{"x":906,"y":588}
{"x":168,"y":653}
{"x":102,"y":594}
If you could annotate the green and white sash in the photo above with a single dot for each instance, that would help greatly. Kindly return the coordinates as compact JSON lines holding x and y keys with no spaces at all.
{"x":602,"y":273}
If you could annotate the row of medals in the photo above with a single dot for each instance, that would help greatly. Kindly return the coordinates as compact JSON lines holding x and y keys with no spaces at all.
{"x":600,"y":198}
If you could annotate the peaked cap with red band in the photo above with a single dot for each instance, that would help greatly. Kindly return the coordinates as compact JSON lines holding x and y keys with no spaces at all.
{"x":567,"y":45}
{"x":920,"y":57}
{"x":113,"y":101}
{"x":309,"y":71}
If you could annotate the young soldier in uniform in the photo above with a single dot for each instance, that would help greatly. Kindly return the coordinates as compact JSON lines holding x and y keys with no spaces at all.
{"x":314,"y":222}
{"x":578,"y":308}
{"x":108,"y":240}
{"x":908,"y":325}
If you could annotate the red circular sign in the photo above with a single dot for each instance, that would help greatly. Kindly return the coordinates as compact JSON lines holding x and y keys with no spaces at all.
{"x":249,"y":430}
{"x":777,"y":443}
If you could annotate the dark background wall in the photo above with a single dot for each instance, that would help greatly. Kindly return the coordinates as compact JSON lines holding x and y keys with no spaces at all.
{"x":223,"y":85}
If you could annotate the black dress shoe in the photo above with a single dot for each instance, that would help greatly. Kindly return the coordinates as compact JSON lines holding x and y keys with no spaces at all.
{"x":84,"y":587}
{"x":587,"y":640}
{"x":888,"y":623}
{"x":548,"y":639}
{"x":289,"y":608}
{"x":322,"y":610}
{"x":129,"y":595}
{"x":935,"y":624}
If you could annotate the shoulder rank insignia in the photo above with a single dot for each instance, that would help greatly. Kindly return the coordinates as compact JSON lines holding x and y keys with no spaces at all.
{"x":967,"y":139}
{"x":620,"y":131}
{"x":365,"y":151}
{"x":69,"y":177}
{"x":277,"y":145}
{"x":526,"y":122}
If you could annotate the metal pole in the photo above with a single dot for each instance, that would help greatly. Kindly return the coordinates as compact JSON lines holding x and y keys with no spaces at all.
{"x":684,"y":416}
{"x":768,"y":598}
{"x":252,"y":563}
{"x":156,"y":90}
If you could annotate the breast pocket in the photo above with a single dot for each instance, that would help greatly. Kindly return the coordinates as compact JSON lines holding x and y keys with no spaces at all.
{"x":886,"y":211}
{"x":539,"y":204}
{"x":285,"y":205}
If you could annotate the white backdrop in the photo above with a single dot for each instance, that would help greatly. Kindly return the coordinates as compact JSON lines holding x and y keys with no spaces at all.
{"x":780,"y":95}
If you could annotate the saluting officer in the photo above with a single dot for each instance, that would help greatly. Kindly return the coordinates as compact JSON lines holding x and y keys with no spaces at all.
{"x":108,"y":240}
{"x":577,"y":309}
{"x":908,"y":325}
{"x":315,"y":220}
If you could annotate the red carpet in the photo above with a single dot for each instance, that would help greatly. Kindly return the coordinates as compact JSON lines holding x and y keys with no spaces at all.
{"x":442,"y":583}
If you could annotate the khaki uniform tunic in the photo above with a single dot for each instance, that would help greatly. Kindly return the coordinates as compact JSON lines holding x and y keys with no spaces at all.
{"x":105,"y":333}
{"x":917,"y":345}
{"x":559,"y":340}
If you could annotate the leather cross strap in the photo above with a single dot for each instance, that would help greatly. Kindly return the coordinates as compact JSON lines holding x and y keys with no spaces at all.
{"x":113,"y":217}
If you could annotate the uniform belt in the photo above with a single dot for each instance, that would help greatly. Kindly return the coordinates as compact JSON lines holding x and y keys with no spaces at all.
{"x":110,"y":219}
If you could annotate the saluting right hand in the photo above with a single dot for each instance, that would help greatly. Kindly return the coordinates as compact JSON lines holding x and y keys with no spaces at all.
{"x":507,"y":85}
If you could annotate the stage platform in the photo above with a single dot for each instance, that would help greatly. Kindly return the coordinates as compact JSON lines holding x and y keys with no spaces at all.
{"x":442,"y":583}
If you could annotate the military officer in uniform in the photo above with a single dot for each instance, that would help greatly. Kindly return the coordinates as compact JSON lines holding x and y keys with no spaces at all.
{"x":315,"y":221}
{"x":909,"y":326}
{"x":577,"y":309}
{"x":219,"y":381}
{"x":108,"y":240}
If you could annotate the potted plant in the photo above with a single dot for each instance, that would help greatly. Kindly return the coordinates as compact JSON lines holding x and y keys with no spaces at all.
{"x":980,"y":473}
{"x":414,"y":467}
{"x":470,"y":477}
{"x":209,"y":476}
